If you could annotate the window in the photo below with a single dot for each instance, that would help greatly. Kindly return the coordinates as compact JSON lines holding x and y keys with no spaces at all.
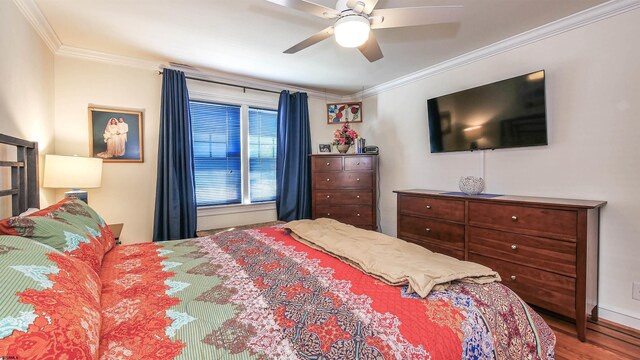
{"x":262,"y":154}
{"x":234,"y":153}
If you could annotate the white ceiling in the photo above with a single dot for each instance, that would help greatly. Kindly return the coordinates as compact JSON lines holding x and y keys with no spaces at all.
{"x":247,"y":37}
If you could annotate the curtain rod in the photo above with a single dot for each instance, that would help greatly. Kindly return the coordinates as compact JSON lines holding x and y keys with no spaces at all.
{"x":244,"y":88}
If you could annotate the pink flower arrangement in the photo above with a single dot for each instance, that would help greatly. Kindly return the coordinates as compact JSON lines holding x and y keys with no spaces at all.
{"x":345,"y":135}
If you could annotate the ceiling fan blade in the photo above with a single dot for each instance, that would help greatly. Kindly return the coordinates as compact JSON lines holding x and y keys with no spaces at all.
{"x":309,"y":7}
{"x":413,"y":16}
{"x":368,"y":5}
{"x":314,"y":39}
{"x":371,"y":49}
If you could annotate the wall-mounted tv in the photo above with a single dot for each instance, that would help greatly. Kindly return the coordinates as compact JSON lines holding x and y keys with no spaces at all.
{"x":505,"y":114}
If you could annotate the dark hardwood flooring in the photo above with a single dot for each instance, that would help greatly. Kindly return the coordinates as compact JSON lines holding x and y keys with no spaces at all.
{"x":605,"y":340}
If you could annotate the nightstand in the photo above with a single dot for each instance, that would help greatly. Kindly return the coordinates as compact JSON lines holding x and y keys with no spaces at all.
{"x":116,"y":229}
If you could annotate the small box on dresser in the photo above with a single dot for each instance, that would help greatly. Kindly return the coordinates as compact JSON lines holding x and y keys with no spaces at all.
{"x":545,"y":249}
{"x":344,"y":188}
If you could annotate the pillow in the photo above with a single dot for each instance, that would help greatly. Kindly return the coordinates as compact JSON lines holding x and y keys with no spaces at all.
{"x":76,"y":212}
{"x":51,"y":305}
{"x":59,"y":235}
{"x":29,"y":211}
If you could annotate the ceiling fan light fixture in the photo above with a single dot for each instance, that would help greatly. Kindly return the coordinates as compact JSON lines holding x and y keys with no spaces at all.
{"x":351,"y":31}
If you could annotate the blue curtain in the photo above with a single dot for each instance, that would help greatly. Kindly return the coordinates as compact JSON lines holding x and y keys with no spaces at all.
{"x":175,"y":212}
{"x":293,"y":165}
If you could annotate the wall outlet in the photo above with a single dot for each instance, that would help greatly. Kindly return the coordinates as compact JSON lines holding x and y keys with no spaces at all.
{"x":636,"y":291}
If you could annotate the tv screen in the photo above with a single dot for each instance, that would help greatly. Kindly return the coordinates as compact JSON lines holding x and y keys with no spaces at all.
{"x":504,"y":114}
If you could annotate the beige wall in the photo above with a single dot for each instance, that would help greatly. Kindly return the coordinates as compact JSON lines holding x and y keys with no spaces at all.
{"x":127,"y":194}
{"x":594,"y":122}
{"x":26,"y":91}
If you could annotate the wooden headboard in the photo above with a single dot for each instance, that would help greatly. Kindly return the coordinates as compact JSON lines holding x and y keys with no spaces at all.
{"x":24,"y":190}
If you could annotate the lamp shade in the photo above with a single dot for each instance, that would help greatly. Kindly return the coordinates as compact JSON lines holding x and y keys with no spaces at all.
{"x":72,"y":172}
{"x":351,"y":31}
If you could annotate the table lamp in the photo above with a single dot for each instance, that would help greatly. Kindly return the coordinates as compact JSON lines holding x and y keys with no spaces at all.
{"x":72,"y":172}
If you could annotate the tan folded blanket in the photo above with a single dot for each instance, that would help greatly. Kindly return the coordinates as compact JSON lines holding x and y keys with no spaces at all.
{"x":389,"y":259}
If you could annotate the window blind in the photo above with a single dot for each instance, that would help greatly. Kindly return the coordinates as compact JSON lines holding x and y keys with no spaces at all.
{"x":216,"y":152}
{"x":262,"y":154}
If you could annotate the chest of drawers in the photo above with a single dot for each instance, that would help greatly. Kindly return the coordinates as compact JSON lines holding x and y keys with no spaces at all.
{"x":545,"y":249}
{"x":344,"y":188}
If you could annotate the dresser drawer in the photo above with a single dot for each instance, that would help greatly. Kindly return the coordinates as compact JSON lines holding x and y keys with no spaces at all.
{"x":338,"y":180}
{"x":545,"y":254}
{"x":437,"y":208}
{"x":437,"y":247}
{"x":561,"y":224}
{"x":353,"y":215}
{"x":342,"y":197}
{"x":327,"y":163}
{"x":358,"y":163}
{"x":431,"y":229}
{"x":542,"y":288}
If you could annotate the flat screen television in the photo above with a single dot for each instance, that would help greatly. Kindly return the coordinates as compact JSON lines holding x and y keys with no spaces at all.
{"x":505,"y":114}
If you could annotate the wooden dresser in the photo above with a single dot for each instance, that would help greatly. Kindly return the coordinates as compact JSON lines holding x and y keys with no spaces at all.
{"x":546,"y":250}
{"x":344,"y":188}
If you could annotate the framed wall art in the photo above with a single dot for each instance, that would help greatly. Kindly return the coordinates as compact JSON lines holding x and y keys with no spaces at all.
{"x":115,"y":135}
{"x":344,"y":112}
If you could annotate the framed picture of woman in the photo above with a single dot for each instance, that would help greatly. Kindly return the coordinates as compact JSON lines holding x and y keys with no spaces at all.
{"x":115,"y":135}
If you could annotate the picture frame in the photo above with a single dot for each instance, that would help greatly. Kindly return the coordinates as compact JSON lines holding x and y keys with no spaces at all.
{"x":115,"y":135}
{"x":324,"y":148}
{"x":339,"y":113}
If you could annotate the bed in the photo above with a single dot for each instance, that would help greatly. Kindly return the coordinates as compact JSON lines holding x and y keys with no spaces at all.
{"x":69,"y":292}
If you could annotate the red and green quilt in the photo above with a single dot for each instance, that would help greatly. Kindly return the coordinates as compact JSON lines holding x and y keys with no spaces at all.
{"x":261,"y":294}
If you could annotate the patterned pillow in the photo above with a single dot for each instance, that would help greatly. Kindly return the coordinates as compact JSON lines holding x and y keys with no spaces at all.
{"x":63,"y":237}
{"x":50,"y":303}
{"x":76,"y":212}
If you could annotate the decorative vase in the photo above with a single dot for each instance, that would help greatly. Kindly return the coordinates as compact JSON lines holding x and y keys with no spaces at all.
{"x":471,"y":185}
{"x":342,"y":149}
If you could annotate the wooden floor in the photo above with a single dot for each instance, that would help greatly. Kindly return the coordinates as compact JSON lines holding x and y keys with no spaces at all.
{"x":605,"y":340}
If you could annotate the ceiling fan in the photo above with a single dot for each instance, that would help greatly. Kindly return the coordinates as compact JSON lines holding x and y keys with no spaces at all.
{"x":355,"y":18}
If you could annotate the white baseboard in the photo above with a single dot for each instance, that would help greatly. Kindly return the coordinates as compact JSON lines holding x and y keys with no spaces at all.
{"x":619,"y":318}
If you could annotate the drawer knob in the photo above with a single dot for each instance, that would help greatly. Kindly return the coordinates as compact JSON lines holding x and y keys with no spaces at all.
{"x":328,"y":196}
{"x":358,"y":215}
{"x":357,"y":196}
{"x":514,"y":218}
{"x":428,"y":229}
{"x":358,"y":179}
{"x":428,"y":206}
{"x":328,"y":214}
{"x":358,"y":163}
{"x":328,"y":179}
{"x":513,"y":278}
{"x":514,"y":246}
{"x":328,"y":164}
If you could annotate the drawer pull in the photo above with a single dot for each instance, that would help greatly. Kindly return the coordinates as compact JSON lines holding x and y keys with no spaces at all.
{"x":358,"y":215}
{"x":357,"y":196}
{"x":328,"y":196}
{"x":328,"y":163}
{"x":428,"y":206}
{"x":513,"y":278}
{"x":514,"y":218}
{"x":358,"y":163}
{"x":328,"y":179}
{"x":514,"y":246}
{"x":428,"y":229}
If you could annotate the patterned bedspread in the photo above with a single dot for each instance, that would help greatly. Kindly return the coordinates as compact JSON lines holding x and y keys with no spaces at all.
{"x":261,"y":294}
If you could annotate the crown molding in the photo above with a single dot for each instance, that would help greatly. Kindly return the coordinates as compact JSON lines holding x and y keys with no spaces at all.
{"x":32,"y":12}
{"x":577,"y":20}
{"x":86,"y":54}
{"x":238,"y":80}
